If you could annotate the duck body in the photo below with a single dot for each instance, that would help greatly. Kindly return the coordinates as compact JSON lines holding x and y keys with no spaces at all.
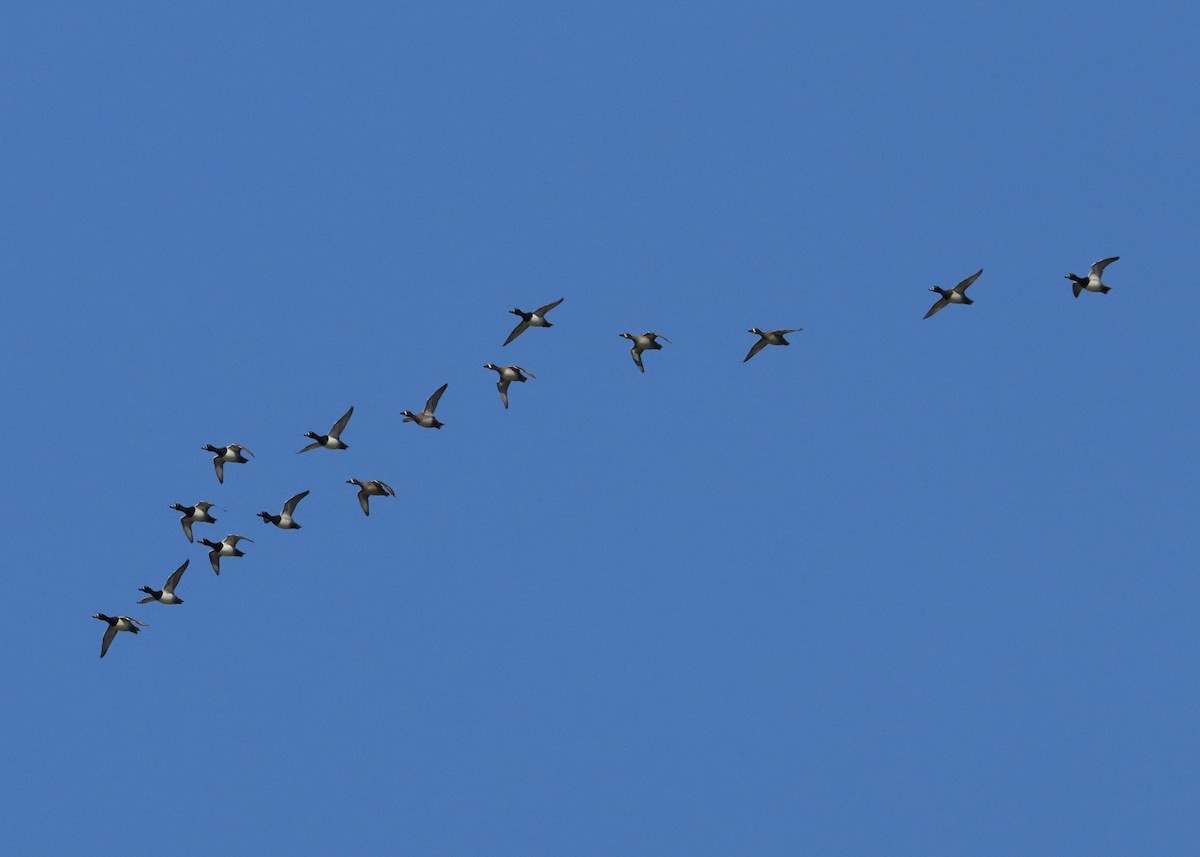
{"x":768,"y":337}
{"x":166,"y":595}
{"x":284,"y":519}
{"x":225,"y":547}
{"x":1092,"y":282}
{"x":371,"y":488}
{"x":956,"y":295}
{"x":333,"y":440}
{"x":197,"y":514}
{"x":647,"y":341}
{"x":222,"y":455}
{"x":508,"y":374}
{"x":115,"y":624}
{"x":537,"y":318}
{"x":426,"y":419}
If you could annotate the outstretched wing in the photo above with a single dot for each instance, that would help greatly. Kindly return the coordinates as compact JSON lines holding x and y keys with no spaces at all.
{"x":340,"y":425}
{"x":542,"y":310}
{"x":521,"y":327}
{"x":937,"y":306}
{"x":432,"y":403}
{"x":186,"y":520}
{"x":232,"y":539}
{"x":312,"y":445}
{"x":219,"y":466}
{"x":962,"y":287}
{"x":637,"y":359}
{"x":526,"y":371}
{"x":108,"y":638}
{"x":363,"y":498}
{"x":173,"y":580}
{"x":755,"y":348}
{"x":502,"y":386}
{"x":389,"y":489}
{"x":290,"y":506}
{"x":1099,"y":267}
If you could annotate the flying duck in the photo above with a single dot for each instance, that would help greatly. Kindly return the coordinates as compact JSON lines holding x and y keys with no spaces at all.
{"x":333,"y":440}
{"x":956,"y":295}
{"x":537,"y":318}
{"x":284,"y":519}
{"x":225,"y":547}
{"x":166,"y":595}
{"x":646,"y":342}
{"x":768,"y":337}
{"x":426,"y":419}
{"x":508,"y":374}
{"x":197,"y":514}
{"x":116,"y":623}
{"x":371,"y":488}
{"x":1092,"y":281}
{"x":223,"y":455}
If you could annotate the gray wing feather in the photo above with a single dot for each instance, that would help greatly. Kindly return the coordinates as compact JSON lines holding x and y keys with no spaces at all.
{"x":755,"y":348}
{"x":108,"y":638}
{"x":290,"y":506}
{"x":962,"y":287}
{"x":516,"y":331}
{"x":941,"y":302}
{"x":340,"y":425}
{"x":432,"y":403}
{"x":173,"y":580}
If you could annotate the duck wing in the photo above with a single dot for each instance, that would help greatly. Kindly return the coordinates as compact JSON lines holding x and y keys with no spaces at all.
{"x":521,"y":327}
{"x":502,"y":386}
{"x":755,"y":348}
{"x":312,"y":445}
{"x":1099,"y":267}
{"x":432,"y":402}
{"x":173,"y":580}
{"x":941,"y":302}
{"x":637,"y":358}
{"x":290,"y":506}
{"x":340,"y":425}
{"x":962,"y":287}
{"x":109,"y":633}
{"x":542,"y":310}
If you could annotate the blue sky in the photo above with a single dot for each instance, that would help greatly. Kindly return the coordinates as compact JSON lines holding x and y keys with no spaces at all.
{"x":904,"y":587}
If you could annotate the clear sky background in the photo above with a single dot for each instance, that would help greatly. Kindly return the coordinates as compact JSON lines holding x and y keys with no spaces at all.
{"x":905,"y":587}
